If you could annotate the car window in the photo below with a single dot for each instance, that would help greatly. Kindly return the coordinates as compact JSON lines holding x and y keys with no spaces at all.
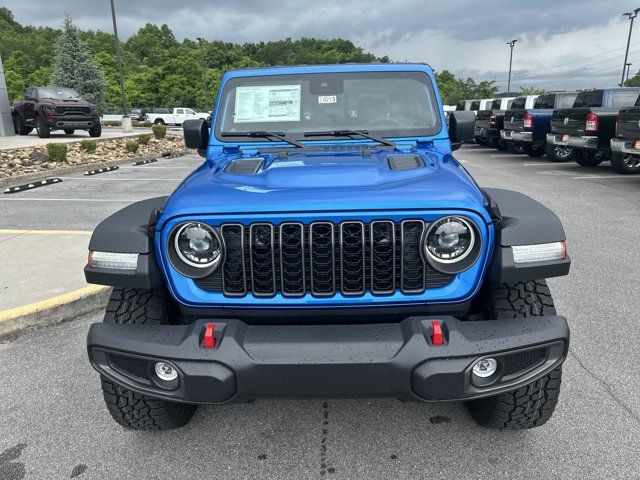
{"x":460,"y":105}
{"x":58,"y":93}
{"x":475,"y":106}
{"x":518,"y":103}
{"x":565,"y":100}
{"x":189,"y":111}
{"x":545,"y":102}
{"x":495,"y":105}
{"x":180,"y":111}
{"x":624,"y":99}
{"x":509,"y":104}
{"x":591,"y":98}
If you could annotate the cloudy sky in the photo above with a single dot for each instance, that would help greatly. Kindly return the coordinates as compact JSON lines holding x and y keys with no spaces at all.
{"x":562,"y":44}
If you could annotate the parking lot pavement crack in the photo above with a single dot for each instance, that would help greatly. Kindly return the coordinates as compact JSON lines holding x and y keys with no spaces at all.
{"x":606,"y":386}
{"x":323,"y":441}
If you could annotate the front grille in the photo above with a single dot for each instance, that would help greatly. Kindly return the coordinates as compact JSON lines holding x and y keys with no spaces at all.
{"x":324,"y":258}
{"x":73,"y":110}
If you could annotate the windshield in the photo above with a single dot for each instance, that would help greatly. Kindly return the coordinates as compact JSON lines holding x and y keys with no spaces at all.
{"x":386,"y":104}
{"x":58,"y":93}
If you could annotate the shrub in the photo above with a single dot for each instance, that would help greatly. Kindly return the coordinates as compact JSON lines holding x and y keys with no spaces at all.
{"x":111,"y":123}
{"x":57,"y":152}
{"x":136,"y":123}
{"x":88,"y":145}
{"x":159,"y":131}
{"x":144,"y":139}
{"x":132,"y":146}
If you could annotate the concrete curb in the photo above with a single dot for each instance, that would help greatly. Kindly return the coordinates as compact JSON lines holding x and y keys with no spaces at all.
{"x":29,"y":177}
{"x":54,"y":310}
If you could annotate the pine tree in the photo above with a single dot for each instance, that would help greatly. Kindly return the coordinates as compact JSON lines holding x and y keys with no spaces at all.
{"x":74,"y":67}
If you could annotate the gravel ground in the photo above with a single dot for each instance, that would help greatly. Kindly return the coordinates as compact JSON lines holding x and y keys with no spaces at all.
{"x":54,"y":424}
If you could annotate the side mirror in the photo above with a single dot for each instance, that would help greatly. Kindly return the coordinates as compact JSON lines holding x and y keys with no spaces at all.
{"x":196,"y":135}
{"x":461,"y":128}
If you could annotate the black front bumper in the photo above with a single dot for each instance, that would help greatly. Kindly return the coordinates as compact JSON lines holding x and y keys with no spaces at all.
{"x":395,"y":360}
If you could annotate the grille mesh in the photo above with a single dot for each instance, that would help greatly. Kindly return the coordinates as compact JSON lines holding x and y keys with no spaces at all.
{"x":323,"y":258}
{"x":516,"y":362}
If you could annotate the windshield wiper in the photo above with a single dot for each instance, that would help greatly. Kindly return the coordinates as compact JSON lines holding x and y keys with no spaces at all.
{"x":350,"y":133}
{"x":263,"y":134}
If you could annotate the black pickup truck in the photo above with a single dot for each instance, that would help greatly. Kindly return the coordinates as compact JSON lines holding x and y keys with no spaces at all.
{"x":489,"y":123}
{"x":625,"y":147}
{"x":589,"y":125}
{"x":528,"y":128}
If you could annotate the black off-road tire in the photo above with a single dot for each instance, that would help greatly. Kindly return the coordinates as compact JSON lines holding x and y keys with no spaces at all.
{"x":533,"y":152}
{"x":96,"y":130}
{"x":133,"y":410}
{"x":44,"y":130}
{"x":558,"y":153}
{"x":19,"y":125}
{"x":159,"y":121}
{"x":588,"y":158}
{"x":625,"y":163}
{"x":531,"y":405}
{"x":69,"y":131}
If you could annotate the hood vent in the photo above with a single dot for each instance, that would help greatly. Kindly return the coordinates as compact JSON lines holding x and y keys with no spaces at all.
{"x":244,"y":167}
{"x":405,"y":162}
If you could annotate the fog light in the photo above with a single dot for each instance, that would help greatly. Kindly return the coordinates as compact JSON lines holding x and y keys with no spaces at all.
{"x":485,"y":367}
{"x":166,"y":371}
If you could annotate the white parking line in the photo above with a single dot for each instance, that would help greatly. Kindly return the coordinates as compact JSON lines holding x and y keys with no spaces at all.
{"x":611,"y":177}
{"x":157,"y":167}
{"x":121,"y":179}
{"x":97,"y":200}
{"x":506,"y":155}
{"x":549,"y":164}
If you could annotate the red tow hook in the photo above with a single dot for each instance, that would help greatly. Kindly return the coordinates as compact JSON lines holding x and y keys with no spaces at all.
{"x":437,"y":338}
{"x":209,"y":340}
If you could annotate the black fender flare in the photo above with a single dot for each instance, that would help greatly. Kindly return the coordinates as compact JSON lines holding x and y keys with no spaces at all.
{"x":130,"y":230}
{"x":521,"y":220}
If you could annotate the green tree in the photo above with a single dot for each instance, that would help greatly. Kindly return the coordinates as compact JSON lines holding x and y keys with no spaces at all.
{"x":531,"y":91}
{"x":74,"y":67}
{"x":633,"y":81}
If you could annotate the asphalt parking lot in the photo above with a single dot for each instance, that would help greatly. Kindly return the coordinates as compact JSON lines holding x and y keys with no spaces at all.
{"x":54,"y":423}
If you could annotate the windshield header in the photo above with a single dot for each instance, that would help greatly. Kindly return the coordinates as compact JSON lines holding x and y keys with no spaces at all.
{"x":378,"y":103}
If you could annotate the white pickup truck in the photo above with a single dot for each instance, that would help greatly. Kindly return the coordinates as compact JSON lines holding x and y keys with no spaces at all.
{"x":166,"y":116}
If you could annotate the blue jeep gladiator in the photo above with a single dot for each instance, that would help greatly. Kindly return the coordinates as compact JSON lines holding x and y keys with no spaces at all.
{"x":330,"y":245}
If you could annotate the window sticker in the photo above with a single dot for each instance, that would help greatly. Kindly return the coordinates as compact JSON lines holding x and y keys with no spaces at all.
{"x":267,"y":103}
{"x":327,"y":99}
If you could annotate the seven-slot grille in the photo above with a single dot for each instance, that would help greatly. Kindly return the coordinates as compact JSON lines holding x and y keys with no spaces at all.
{"x":323,"y":258}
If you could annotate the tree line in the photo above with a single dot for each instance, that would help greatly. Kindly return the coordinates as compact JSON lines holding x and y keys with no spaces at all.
{"x":160,"y":71}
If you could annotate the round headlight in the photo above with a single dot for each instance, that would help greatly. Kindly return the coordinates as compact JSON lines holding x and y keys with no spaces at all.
{"x":198,"y":245}
{"x":451,"y":244}
{"x":450,"y":239}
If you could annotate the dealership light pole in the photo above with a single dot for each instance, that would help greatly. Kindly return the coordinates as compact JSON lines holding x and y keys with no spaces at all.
{"x":511,"y":44}
{"x":628,"y":65}
{"x":632,"y":15}
{"x":126,"y":122}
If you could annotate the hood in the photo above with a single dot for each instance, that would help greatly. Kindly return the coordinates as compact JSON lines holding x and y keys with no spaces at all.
{"x":76,"y":102}
{"x":327,"y":181}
